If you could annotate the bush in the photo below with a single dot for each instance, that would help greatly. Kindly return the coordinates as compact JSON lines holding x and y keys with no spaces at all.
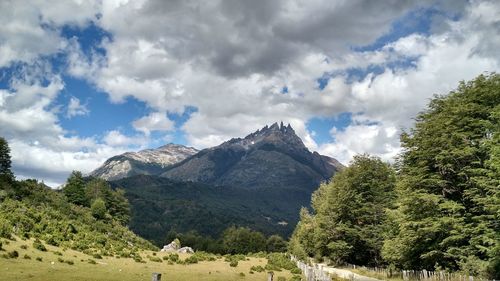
{"x":233,"y":263}
{"x":24,"y":247}
{"x":98,"y":208}
{"x":155,"y":259}
{"x":279,"y":260}
{"x":37,"y":244}
{"x":70,"y":262}
{"x":5,"y":228}
{"x":242,"y":274}
{"x":26,"y":257}
{"x":257,"y":268}
{"x":296,"y":271}
{"x":57,"y":253}
{"x":13,"y":254}
{"x":190,"y":260}
{"x":97,"y":256}
{"x":174,"y":257}
{"x":39,"y":259}
{"x":91,"y":261}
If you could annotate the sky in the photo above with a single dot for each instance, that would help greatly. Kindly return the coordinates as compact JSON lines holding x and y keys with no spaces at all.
{"x":81,"y":81}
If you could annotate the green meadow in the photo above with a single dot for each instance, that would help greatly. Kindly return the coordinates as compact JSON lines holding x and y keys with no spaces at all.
{"x":65,"y":264}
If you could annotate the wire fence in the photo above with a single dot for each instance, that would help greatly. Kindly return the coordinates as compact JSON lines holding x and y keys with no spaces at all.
{"x":312,"y":273}
{"x":417,"y":275}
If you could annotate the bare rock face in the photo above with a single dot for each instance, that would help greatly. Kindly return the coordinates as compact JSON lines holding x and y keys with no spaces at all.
{"x":144,"y":162}
{"x":185,"y":250}
{"x":172,"y":247}
{"x":271,"y":157}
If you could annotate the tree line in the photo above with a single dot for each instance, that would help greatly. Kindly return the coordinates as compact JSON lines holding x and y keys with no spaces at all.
{"x":437,"y":207}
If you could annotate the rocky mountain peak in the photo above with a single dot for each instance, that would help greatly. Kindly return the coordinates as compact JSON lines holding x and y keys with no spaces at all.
{"x":276,"y":134}
{"x":148,"y":162}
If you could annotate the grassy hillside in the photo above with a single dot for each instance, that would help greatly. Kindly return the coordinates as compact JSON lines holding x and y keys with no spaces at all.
{"x":29,"y":209}
{"x":59,"y":264}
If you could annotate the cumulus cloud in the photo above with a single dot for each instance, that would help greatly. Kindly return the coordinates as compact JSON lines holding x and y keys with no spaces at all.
{"x":31,"y":29}
{"x":75,"y":108}
{"x":231,"y":60}
{"x":156,"y":121}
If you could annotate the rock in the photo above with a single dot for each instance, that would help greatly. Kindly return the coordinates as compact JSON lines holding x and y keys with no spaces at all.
{"x":144,"y":162}
{"x":273,"y":157}
{"x":185,"y":250}
{"x":172,"y":247}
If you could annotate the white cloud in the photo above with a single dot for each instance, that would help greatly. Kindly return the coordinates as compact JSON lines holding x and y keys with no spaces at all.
{"x":230,"y":60}
{"x":75,"y":108}
{"x":115,"y":138}
{"x":30,"y":29}
{"x":378,"y":139}
{"x":156,"y":121}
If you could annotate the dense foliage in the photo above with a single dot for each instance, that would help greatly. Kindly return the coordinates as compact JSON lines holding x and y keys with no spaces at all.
{"x":31,"y":209}
{"x":349,"y":220}
{"x":234,"y":240}
{"x":160,"y":205}
{"x":449,"y":184}
{"x":98,"y":195}
{"x":447,"y":206}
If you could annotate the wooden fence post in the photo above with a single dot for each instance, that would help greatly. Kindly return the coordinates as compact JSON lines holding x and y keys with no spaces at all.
{"x":270,"y":276}
{"x":156,"y":277}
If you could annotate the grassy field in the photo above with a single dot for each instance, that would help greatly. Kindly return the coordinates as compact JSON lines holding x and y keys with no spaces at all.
{"x":55,"y":264}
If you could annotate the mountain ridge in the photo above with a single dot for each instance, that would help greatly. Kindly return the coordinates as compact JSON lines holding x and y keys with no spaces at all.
{"x":271,"y":156}
{"x":146,"y":162}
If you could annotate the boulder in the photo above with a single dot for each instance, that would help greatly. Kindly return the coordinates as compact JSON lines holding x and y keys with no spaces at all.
{"x":185,"y":250}
{"x":172,"y":247}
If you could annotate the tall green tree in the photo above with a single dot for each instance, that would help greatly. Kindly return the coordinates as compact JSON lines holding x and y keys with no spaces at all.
{"x":5,"y":161}
{"x":350,"y":214}
{"x":116,"y":203}
{"x":243,"y":240}
{"x":449,"y":183}
{"x":75,"y":189}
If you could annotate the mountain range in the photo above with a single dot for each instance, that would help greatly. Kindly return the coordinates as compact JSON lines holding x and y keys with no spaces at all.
{"x":260,"y":181}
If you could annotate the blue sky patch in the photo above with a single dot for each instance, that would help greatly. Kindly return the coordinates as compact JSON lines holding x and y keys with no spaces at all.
{"x":320,"y":127}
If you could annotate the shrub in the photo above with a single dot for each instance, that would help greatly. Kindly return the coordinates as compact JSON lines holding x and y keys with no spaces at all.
{"x":279,"y":260}
{"x":155,"y":259}
{"x":257,"y":268}
{"x":190,"y":260}
{"x":37,"y":244}
{"x":24,"y":247}
{"x":97,"y":256}
{"x":57,"y":253}
{"x":5,"y":228}
{"x":26,"y":257}
{"x":173,"y":257}
{"x":98,"y":208}
{"x":242,"y":274}
{"x":233,"y":263}
{"x":70,"y":262}
{"x":296,"y":271}
{"x":39,"y":259}
{"x":13,"y":254}
{"x":91,"y":261}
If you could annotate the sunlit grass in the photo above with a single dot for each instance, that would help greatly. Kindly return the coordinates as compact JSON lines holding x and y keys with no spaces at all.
{"x":54,"y":265}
